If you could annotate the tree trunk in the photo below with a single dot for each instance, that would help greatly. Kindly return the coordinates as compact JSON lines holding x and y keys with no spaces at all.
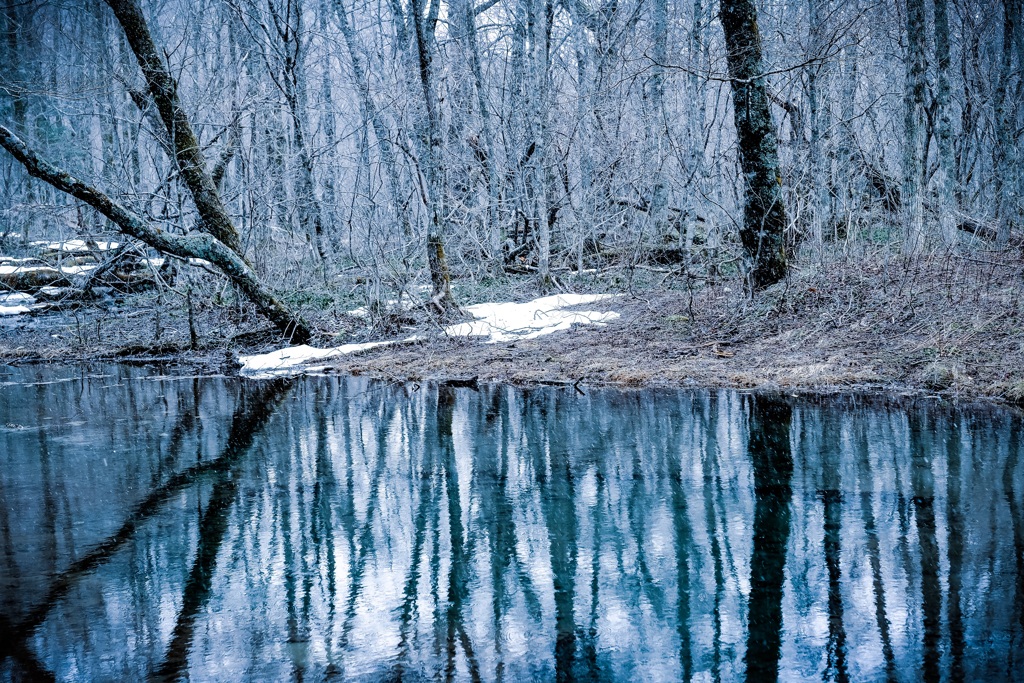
{"x":947,"y":180}
{"x":658,"y":128}
{"x":541,"y":38}
{"x":696,"y":121}
{"x":913,"y":142}
{"x":380,"y":129}
{"x":288,"y":27}
{"x":817,"y":98}
{"x":192,"y":245}
{"x":1006,"y":146}
{"x":847,"y":168}
{"x":187,"y":151}
{"x":489,"y":160}
{"x":431,"y":161}
{"x":764,"y":216}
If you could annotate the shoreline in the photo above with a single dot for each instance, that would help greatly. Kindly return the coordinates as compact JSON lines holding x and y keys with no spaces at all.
{"x":901,"y":329}
{"x":593,"y":360}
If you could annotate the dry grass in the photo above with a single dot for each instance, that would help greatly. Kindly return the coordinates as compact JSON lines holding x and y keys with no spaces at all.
{"x":951,"y":325}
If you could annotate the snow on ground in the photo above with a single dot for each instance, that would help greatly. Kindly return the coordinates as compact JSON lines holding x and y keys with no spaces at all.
{"x":15,"y":303}
{"x":15,"y":298}
{"x":74,"y":245}
{"x":502,"y":322}
{"x":66,"y":270}
{"x":13,"y":310}
{"x":496,"y":322}
{"x":286,"y":360}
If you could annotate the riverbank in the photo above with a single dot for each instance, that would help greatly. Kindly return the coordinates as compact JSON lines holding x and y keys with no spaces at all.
{"x":950,"y":326}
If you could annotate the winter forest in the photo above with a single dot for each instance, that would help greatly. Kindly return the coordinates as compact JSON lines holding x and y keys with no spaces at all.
{"x":296,"y":381}
{"x":302,"y":146}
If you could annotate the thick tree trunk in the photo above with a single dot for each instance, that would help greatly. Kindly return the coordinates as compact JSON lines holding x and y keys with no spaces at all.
{"x":192,"y":245}
{"x":187,"y":151}
{"x":764,"y":216}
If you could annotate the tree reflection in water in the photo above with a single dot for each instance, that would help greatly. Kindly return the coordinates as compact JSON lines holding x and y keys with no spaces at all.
{"x":337,"y":529}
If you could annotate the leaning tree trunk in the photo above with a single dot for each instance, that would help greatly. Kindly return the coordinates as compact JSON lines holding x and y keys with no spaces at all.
{"x":214,"y":218}
{"x":764,"y":216}
{"x":187,"y":152}
{"x":195,"y":244}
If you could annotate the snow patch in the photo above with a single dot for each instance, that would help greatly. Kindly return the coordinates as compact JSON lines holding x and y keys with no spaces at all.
{"x":285,"y":360}
{"x":13,"y":310}
{"x":503,"y":322}
{"x":16,"y":298}
{"x":65,"y":270}
{"x":75,"y":245}
{"x":17,"y":303}
{"x":496,"y":322}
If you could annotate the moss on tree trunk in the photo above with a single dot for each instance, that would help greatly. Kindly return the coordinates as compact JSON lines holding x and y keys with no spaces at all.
{"x":764,"y":216}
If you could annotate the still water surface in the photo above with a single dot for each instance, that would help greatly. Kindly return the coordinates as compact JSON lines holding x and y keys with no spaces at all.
{"x":336,"y":529}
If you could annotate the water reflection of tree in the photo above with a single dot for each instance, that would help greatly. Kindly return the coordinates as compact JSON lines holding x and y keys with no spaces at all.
{"x":609,"y":535}
{"x":865,"y":482}
{"x":1011,"y":490}
{"x":923,"y":486}
{"x":773,"y":471}
{"x":832,"y":501}
{"x":253,"y":412}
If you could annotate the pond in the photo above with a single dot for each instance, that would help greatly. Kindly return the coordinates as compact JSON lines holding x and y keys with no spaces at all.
{"x":326,"y":528}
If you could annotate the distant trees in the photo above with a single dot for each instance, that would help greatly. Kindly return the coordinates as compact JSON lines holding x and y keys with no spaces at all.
{"x":417,"y":140}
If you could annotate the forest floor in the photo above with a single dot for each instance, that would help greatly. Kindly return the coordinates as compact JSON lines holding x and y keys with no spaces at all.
{"x":951,"y":326}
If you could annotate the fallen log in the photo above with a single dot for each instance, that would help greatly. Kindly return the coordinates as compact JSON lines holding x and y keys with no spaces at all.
{"x":20,"y":278}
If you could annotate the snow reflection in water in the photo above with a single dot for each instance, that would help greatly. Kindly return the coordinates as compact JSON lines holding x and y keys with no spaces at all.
{"x":332,"y":528}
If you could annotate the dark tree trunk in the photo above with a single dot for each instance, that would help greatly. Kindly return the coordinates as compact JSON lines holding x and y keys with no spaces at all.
{"x":764,"y":216}
{"x":770,"y":421}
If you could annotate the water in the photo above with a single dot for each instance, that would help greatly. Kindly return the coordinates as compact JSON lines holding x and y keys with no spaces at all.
{"x":338,"y":529}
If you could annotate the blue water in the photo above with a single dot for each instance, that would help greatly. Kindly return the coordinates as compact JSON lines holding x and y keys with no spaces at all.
{"x":218,"y":529}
